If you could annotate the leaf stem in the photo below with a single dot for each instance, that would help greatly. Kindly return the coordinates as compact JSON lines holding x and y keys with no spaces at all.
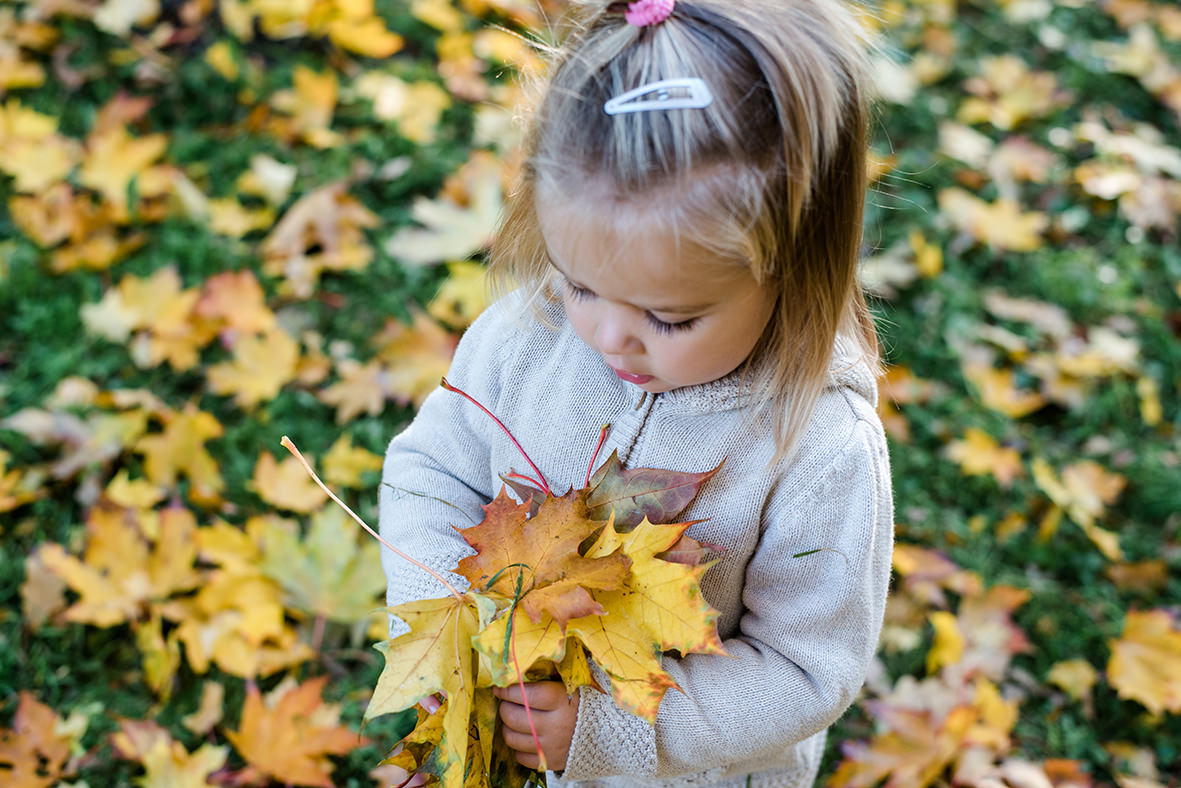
{"x":544,"y":486}
{"x":286,"y":443}
{"x":590,"y":468}
{"x":512,"y":638}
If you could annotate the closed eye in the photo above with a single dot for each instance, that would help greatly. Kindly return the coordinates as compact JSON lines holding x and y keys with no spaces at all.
{"x":664,"y":327}
{"x":579,"y":293}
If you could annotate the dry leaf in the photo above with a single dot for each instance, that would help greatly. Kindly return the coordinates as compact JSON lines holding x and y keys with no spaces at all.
{"x":290,"y":735}
{"x":1145,"y":664}
{"x":286,"y":485}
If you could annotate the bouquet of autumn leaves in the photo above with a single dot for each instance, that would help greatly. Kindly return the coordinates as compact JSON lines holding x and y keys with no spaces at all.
{"x":599,"y":573}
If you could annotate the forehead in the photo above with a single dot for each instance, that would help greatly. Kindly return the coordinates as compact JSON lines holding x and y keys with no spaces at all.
{"x":591,"y":232}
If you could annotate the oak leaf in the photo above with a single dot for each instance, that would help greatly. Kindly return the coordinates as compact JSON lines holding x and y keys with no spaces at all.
{"x":290,"y":735}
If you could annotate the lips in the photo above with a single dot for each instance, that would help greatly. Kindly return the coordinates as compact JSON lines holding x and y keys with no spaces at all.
{"x":639,"y":380}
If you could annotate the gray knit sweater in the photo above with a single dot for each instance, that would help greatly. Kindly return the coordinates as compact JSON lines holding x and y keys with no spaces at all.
{"x":800,"y":632}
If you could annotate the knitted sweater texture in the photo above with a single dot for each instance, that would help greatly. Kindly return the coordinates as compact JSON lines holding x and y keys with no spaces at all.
{"x":800,"y":632}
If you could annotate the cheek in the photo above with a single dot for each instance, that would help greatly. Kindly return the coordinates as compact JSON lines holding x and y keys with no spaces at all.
{"x":580,"y":318}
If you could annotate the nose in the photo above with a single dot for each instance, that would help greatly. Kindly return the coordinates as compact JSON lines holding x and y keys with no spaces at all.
{"x":614,"y":333}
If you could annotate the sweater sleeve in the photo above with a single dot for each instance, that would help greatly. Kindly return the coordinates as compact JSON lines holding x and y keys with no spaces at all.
{"x":436,"y":474}
{"x":806,"y":637}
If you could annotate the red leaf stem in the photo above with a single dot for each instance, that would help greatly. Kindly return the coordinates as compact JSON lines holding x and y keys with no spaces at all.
{"x":525,"y":702}
{"x":499,"y":423}
{"x":598,"y":446}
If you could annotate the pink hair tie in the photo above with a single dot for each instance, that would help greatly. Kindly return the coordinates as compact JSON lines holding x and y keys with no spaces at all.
{"x":643,"y":13}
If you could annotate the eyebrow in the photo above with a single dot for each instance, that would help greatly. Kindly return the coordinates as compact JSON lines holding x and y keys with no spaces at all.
{"x":683,"y":309}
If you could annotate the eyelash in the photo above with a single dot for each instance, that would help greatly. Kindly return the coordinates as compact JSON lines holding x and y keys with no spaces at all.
{"x":658,"y":325}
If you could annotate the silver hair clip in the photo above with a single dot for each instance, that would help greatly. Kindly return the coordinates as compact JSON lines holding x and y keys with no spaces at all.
{"x":684,"y":93}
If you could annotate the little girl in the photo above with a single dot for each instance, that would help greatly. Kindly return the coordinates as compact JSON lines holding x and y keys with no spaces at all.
{"x":683,"y":243}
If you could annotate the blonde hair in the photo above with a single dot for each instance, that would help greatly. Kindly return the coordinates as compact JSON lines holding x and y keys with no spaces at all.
{"x":771,"y":174}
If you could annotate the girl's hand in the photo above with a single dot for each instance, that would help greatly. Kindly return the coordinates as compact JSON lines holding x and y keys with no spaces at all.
{"x":554,"y":715}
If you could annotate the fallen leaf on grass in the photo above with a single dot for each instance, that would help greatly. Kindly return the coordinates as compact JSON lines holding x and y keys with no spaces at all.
{"x":1145,"y":664}
{"x":166,"y":762}
{"x":286,"y":485}
{"x":261,"y":366}
{"x":979,"y":454}
{"x":289,"y":735}
{"x":453,"y":230}
{"x":326,"y":573}
{"x":133,"y":560}
{"x":1000,"y":225}
{"x":32,"y":753}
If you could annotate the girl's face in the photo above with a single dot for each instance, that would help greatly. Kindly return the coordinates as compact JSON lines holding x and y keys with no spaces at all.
{"x":662,"y":313}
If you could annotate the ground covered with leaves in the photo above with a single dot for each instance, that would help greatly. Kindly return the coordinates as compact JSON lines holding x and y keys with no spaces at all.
{"x":223,"y":221}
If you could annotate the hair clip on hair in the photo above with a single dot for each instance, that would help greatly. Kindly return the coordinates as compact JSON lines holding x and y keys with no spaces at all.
{"x":644,"y":13}
{"x":685,"y":93}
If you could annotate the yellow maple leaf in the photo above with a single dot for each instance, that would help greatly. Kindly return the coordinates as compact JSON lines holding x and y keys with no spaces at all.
{"x":998,"y":390}
{"x":948,"y":646}
{"x":454,"y":230}
{"x":1007,"y":92}
{"x":311,"y":102}
{"x":1084,"y":491}
{"x":261,"y":366}
{"x":236,"y":300}
{"x":361,"y":389}
{"x":290,"y":736}
{"x":1145,"y":664}
{"x":1000,"y":225}
{"x":328,"y":572}
{"x":462,"y":296}
{"x":113,"y":159}
{"x":416,"y":357}
{"x":124,"y":569}
{"x":236,"y":621}
{"x":285,"y":484}
{"x":160,"y":310}
{"x":979,"y":453}
{"x":268,"y":178}
{"x":180,"y":451}
{"x":415,"y":107}
{"x":1075,"y":676}
{"x":356,"y":28}
{"x":344,"y":464}
{"x":434,"y":656}
{"x":34,"y":751}
{"x":913,"y":750}
{"x":165,"y":760}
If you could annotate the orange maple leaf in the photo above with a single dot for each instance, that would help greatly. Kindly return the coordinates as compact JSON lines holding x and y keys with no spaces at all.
{"x":540,"y":564}
{"x":32,"y":753}
{"x":290,"y":735}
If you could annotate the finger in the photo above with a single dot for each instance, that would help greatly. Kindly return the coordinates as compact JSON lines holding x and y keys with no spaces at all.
{"x":521,"y":741}
{"x":529,"y":760}
{"x":430,"y":703}
{"x":514,"y":716}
